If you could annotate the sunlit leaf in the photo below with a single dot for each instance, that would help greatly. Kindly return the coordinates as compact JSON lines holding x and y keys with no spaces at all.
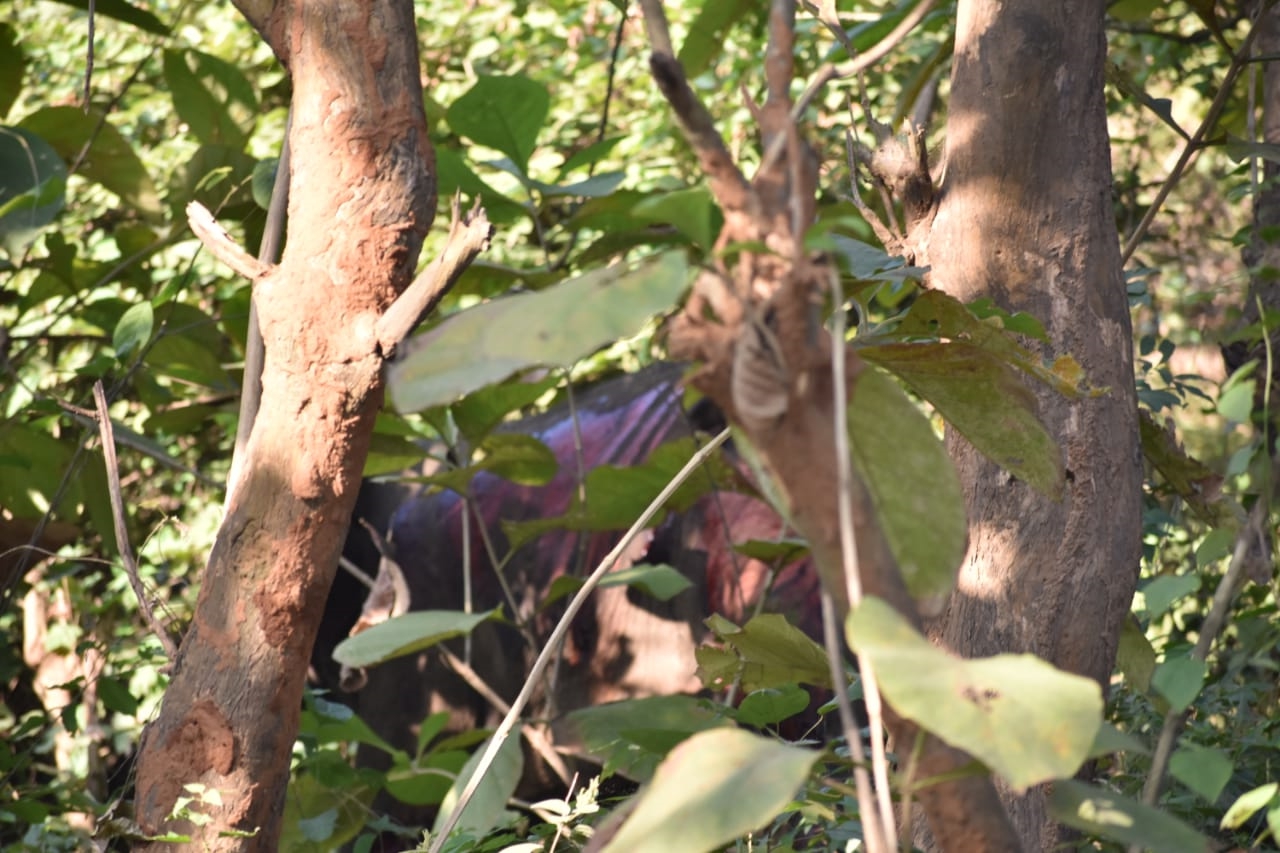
{"x":766,"y":652}
{"x":1026,"y":720}
{"x":555,"y":326}
{"x":406,"y":634}
{"x":134,"y":329}
{"x":504,"y":113}
{"x":712,"y":788}
{"x":110,"y":159}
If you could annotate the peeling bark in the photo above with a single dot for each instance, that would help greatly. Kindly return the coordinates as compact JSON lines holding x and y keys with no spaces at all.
{"x":1025,"y":218}
{"x":362,"y":197}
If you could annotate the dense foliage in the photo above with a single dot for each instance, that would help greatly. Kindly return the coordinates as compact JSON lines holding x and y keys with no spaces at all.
{"x":546,"y":113}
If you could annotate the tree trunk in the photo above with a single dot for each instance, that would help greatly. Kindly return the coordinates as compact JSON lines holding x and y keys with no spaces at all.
{"x":1025,"y":218}
{"x":362,"y":197}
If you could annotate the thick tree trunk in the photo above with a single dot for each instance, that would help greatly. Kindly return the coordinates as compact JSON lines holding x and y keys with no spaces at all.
{"x":1025,"y":218}
{"x":361,"y":199}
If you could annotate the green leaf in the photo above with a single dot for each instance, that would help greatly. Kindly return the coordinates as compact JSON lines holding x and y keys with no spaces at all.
{"x":205,"y":90}
{"x":522,"y":459}
{"x":981,"y":395}
{"x":320,"y":817}
{"x":406,"y":634}
{"x":712,"y":788}
{"x":122,"y":10}
{"x":482,"y":410}
{"x":709,"y":32}
{"x":554,"y":327}
{"x":1109,"y":739}
{"x":912,"y":483}
{"x":134,"y":329}
{"x":1216,"y":545}
{"x":1135,"y":658}
{"x":1161,"y":593}
{"x":1026,"y":720}
{"x":1235,"y":401}
{"x":115,"y":695}
{"x":13,"y":67}
{"x":1248,"y":803}
{"x":110,"y":161}
{"x":1120,"y":819}
{"x":487,"y":806}
{"x":772,"y":705}
{"x":33,"y":189}
{"x":456,"y":176}
{"x":1179,"y":680}
{"x":1203,"y":770}
{"x":690,"y":211}
{"x":656,"y":580}
{"x":504,"y":113}
{"x":425,"y":782}
{"x":389,"y":454}
{"x":766,"y":652}
{"x":632,"y":736}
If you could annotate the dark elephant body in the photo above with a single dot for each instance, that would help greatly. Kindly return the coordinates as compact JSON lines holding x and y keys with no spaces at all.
{"x":624,"y":643}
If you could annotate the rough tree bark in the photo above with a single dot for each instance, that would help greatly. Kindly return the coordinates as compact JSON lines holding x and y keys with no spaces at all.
{"x":1024,"y":216}
{"x":361,"y":200}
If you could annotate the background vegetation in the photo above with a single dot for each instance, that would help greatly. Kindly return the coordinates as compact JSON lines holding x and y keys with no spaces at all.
{"x":103,"y":280}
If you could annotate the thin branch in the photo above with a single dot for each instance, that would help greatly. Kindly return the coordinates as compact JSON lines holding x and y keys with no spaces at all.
{"x":872,"y":832}
{"x":468,"y":236}
{"x":831,"y":71}
{"x":1193,"y":145}
{"x":536,"y":737}
{"x":728,"y":184}
{"x":254,"y":350}
{"x":562,"y":628}
{"x":849,"y":553}
{"x":122,"y":532}
{"x":219,"y":242}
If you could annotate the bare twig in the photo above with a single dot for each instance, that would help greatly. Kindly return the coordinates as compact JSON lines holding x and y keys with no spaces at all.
{"x":122,"y":533}
{"x":219,"y":242}
{"x":468,"y":237}
{"x":558,"y":634}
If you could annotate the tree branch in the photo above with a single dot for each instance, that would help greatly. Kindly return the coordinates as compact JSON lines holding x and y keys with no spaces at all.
{"x":468,"y":236}
{"x":219,"y":242}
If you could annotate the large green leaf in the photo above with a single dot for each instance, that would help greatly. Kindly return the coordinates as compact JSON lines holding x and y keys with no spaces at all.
{"x":711,"y":789}
{"x":554,"y":327}
{"x":205,"y":91}
{"x":110,"y":161}
{"x":657,"y":580}
{"x":984,"y":399}
{"x":406,"y":634}
{"x":1118,"y":818}
{"x":632,"y":736}
{"x":766,"y":652}
{"x":33,"y":188}
{"x":1017,"y":714}
{"x":504,"y":113}
{"x":487,"y":805}
{"x":912,"y":483}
